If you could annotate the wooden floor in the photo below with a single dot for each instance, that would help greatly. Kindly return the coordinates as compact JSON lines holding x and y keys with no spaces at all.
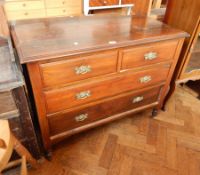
{"x":137,"y":145}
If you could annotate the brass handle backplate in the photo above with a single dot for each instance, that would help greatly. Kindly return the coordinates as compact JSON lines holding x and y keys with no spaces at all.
{"x":83,"y":70}
{"x":151,"y":56}
{"x":83,"y":95}
{"x":145,"y":79}
{"x":81,"y":117}
{"x":138,"y":99}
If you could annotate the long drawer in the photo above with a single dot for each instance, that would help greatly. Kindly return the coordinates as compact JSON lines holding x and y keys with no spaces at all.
{"x":79,"y":68}
{"x":24,"y":5}
{"x":61,"y":99}
{"x":148,"y":54}
{"x":25,"y":14}
{"x":67,"y":121}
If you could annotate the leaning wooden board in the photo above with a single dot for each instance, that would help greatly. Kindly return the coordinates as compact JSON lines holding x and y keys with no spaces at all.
{"x":87,"y":71}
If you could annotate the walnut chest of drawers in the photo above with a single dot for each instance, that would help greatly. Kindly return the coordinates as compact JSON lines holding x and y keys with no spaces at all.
{"x":87,"y":71}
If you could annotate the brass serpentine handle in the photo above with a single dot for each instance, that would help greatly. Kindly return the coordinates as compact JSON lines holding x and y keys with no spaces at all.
{"x":138,"y":99}
{"x":151,"y":56}
{"x":145,"y":79}
{"x":83,"y":95}
{"x":81,"y":117}
{"x":83,"y":70}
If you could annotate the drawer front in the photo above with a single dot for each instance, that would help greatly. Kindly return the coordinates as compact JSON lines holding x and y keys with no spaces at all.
{"x":61,"y":99}
{"x":95,"y":3}
{"x":148,"y":54}
{"x":128,"y":1}
{"x":64,"y":3}
{"x":24,"y":5}
{"x":67,"y":121}
{"x":66,"y":71}
{"x":66,"y":11}
{"x":25,"y":14}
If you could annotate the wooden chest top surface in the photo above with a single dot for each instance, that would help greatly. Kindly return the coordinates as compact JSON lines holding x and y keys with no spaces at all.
{"x":42,"y":39}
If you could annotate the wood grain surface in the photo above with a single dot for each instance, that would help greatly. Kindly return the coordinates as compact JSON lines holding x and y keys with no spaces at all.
{"x":37,"y":40}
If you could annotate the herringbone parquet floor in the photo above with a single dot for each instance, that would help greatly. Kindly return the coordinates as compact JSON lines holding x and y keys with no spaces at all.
{"x":137,"y":145}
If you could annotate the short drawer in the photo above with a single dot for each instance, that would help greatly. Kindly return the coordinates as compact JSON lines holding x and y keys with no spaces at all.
{"x":95,"y":3}
{"x":64,"y":12}
{"x":67,"y":121}
{"x":64,"y":3}
{"x":24,"y":5}
{"x":148,"y":54}
{"x":66,"y":71}
{"x":64,"y":98}
{"x":25,"y":14}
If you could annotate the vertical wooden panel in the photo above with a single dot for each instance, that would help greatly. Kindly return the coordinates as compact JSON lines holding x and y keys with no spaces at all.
{"x":141,"y":8}
{"x":34,"y":73}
